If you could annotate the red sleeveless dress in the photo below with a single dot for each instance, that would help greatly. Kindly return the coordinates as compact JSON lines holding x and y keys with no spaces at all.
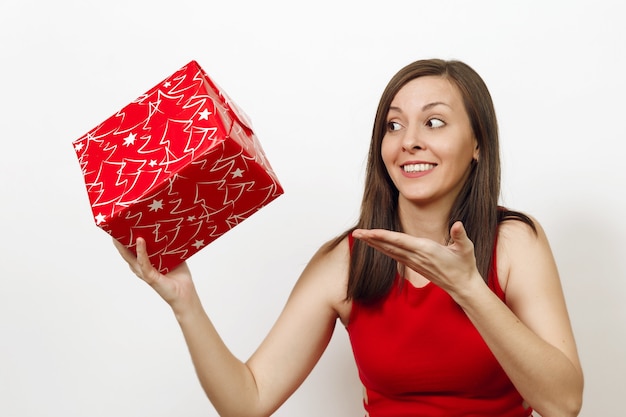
{"x":418,"y":355}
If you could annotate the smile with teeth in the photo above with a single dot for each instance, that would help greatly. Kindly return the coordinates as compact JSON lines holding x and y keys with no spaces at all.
{"x":417,"y":167}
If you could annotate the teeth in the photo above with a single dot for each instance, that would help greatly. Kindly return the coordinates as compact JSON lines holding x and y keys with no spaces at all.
{"x":417,"y":167}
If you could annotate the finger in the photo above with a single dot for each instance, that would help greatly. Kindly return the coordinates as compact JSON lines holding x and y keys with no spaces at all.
{"x":459,"y":236}
{"x":381,"y":236}
{"x":457,"y":232}
{"x":394,"y":241}
{"x":126,"y":253}
{"x":146,"y":271}
{"x":374,"y":238}
{"x":123,"y":250}
{"x":393,"y":244}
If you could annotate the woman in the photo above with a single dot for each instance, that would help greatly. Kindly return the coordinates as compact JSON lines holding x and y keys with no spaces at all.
{"x":453,"y":304}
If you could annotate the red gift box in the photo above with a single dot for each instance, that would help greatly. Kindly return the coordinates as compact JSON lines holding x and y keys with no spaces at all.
{"x":179,"y":167}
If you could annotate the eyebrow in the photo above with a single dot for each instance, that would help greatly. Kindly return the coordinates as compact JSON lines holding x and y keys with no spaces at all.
{"x":424,"y":107}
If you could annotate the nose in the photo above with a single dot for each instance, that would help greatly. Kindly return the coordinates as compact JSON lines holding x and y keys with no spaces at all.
{"x":411,"y":140}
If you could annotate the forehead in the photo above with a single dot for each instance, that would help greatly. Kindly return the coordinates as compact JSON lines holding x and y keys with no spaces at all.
{"x":429,"y":89}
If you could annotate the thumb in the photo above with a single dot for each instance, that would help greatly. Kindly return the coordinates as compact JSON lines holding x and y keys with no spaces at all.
{"x":458,"y":233}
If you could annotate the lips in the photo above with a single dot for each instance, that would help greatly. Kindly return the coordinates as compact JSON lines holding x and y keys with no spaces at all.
{"x":413,"y":168}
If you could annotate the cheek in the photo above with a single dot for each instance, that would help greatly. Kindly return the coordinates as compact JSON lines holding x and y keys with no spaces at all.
{"x":387,"y":152}
{"x":462,"y":151}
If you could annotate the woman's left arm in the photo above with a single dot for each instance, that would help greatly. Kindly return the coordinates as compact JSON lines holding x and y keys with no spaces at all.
{"x":530,"y":335}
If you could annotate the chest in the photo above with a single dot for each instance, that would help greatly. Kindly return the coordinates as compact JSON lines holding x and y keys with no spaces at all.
{"x":420,"y":340}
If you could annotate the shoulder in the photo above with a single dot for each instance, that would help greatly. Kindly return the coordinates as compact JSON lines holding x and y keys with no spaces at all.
{"x":326,"y":274}
{"x":516,"y":234}
{"x":335,"y":250}
{"x":520,"y":245}
{"x":512,"y":230}
{"x":331,"y":261}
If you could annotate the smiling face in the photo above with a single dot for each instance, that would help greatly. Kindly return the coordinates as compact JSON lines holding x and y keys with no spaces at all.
{"x":429,"y":145}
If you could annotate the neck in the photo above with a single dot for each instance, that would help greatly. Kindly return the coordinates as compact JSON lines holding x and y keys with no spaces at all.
{"x":424,"y":221}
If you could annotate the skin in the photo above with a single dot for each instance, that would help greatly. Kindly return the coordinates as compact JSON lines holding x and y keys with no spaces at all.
{"x":427,"y":124}
{"x":530,"y":334}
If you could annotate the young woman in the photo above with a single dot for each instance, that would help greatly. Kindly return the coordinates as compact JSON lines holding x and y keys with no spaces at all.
{"x":453,"y":304}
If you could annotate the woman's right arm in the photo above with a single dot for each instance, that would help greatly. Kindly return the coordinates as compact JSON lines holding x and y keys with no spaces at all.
{"x":286,"y":356}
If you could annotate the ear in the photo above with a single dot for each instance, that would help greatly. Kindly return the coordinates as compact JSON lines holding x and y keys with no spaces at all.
{"x":476,"y":153}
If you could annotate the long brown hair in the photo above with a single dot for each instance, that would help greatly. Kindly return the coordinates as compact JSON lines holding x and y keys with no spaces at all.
{"x":371,"y":273}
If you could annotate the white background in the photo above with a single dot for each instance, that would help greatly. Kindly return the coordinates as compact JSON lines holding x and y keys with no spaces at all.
{"x":81,"y":336}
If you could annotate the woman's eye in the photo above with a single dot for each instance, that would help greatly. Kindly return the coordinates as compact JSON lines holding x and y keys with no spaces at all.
{"x":435,"y":123}
{"x":393,"y":126}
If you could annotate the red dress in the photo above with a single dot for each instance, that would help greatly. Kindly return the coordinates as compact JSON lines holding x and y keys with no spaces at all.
{"x":418,"y":354}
